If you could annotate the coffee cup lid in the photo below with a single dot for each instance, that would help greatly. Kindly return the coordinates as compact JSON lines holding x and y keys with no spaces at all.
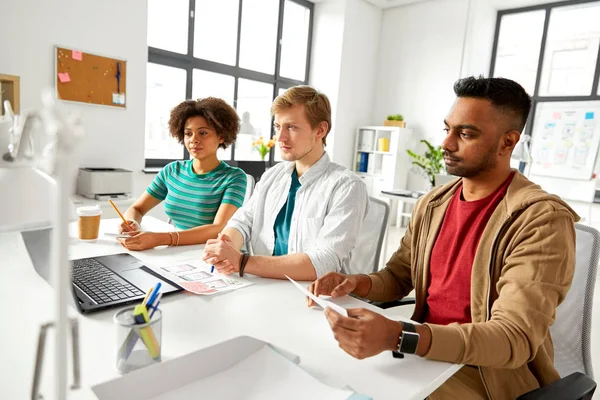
{"x":89,"y":211}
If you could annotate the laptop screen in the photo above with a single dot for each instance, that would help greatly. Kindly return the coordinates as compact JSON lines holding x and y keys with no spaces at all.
{"x":38,"y":246}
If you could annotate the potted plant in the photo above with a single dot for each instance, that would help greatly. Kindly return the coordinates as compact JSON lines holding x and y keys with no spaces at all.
{"x":431,"y":162}
{"x":262,"y":147}
{"x":395,"y":120}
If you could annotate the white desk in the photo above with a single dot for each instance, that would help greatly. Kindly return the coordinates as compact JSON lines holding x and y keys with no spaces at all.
{"x":269,"y":310}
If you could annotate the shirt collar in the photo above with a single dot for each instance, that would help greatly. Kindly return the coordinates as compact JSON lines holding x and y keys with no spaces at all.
{"x":315,"y":170}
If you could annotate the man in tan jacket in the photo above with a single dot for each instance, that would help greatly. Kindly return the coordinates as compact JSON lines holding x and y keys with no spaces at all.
{"x":490,"y":256}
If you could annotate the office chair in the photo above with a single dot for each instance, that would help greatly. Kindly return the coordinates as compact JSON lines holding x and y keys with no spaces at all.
{"x":249,"y":188}
{"x":572,"y":327}
{"x":366,"y":253}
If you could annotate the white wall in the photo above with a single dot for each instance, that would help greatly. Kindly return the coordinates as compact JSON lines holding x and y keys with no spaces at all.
{"x":357,"y":76}
{"x":115,"y":28}
{"x":343,"y":66}
{"x":326,"y":55}
{"x":419,"y":60}
{"x":424,"y":48}
{"x":479,"y":42}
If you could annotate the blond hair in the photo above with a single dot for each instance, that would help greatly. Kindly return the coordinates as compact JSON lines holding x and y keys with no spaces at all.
{"x":316,"y":105}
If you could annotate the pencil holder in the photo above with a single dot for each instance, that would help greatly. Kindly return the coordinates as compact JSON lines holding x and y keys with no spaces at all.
{"x":138,"y":345}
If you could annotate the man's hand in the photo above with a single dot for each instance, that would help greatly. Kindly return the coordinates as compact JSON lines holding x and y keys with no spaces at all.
{"x":144,"y":240}
{"x":335,"y":284}
{"x":363,"y":333}
{"x":222,"y":253}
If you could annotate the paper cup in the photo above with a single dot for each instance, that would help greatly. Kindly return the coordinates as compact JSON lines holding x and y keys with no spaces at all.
{"x":89,"y":222}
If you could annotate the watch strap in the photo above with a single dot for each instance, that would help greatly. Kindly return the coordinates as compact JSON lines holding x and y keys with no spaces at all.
{"x":243,"y":262}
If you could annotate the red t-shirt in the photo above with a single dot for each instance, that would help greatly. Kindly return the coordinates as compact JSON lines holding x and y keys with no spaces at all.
{"x":449,"y":291}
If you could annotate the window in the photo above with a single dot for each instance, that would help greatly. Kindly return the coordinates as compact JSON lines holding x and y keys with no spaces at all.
{"x":519,"y":47}
{"x":165,"y":88}
{"x":552,"y":51}
{"x":571,"y":51}
{"x":243,"y":51}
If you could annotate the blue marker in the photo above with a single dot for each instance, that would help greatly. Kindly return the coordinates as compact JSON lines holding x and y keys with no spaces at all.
{"x":155,"y":307}
{"x":153,"y":295}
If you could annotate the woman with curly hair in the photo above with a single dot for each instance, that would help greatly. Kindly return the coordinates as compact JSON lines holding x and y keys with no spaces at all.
{"x":200,"y":194}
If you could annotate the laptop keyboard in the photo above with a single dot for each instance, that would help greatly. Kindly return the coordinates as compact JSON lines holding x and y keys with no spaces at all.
{"x":100,"y":283}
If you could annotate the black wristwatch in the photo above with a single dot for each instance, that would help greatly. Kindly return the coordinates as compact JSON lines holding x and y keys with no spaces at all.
{"x":409,"y":339}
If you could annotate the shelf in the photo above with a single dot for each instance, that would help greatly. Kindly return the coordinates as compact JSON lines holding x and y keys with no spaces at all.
{"x":385,"y":153}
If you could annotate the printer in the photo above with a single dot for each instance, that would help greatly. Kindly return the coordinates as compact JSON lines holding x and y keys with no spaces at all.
{"x":105,"y":183}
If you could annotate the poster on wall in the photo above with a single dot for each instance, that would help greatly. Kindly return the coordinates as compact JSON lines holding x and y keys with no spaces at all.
{"x":565,"y":139}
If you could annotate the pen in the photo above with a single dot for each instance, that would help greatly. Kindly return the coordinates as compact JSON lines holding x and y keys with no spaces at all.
{"x":119,"y":212}
{"x":153,"y":295}
{"x":212,"y":269}
{"x":155,"y":307}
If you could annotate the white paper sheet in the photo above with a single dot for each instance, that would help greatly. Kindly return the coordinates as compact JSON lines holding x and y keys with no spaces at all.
{"x":196,"y":277}
{"x":264,"y":374}
{"x":322,"y":302}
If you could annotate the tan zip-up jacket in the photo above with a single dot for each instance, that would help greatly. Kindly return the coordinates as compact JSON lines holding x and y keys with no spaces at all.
{"x":522,"y":271}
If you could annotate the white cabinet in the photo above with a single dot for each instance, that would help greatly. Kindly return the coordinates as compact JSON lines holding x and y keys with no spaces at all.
{"x":380,"y":157}
{"x":381,"y":161}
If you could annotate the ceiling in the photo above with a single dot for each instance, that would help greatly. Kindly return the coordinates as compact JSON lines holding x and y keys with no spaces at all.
{"x":498,"y":4}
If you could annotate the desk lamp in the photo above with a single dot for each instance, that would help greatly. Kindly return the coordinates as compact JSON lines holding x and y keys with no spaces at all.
{"x":33,"y":199}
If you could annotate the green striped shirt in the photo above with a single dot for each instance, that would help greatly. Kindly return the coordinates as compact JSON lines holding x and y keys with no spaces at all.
{"x":193,"y":200}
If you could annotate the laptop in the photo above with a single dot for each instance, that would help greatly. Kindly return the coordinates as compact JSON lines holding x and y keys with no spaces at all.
{"x":99,"y":282}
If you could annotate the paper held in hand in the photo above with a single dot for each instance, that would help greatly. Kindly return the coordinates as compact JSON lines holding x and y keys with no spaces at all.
{"x":195,"y":277}
{"x":322,"y":302}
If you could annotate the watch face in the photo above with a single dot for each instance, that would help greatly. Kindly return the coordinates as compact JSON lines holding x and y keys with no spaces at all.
{"x":408,"y":342}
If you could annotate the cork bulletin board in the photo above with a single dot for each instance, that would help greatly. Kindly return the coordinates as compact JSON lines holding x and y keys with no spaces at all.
{"x":90,"y":78}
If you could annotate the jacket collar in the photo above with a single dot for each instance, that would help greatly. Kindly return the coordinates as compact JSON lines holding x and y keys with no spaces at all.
{"x":521,"y":193}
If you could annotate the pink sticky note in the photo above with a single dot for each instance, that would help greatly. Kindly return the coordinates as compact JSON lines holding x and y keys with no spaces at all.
{"x":77,"y":55}
{"x":64,"y":77}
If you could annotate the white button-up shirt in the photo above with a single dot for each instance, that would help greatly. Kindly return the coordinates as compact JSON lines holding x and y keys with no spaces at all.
{"x":330,"y":207}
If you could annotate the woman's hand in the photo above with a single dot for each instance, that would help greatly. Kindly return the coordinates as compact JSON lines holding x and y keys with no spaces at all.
{"x":123,"y":228}
{"x":145,"y":240}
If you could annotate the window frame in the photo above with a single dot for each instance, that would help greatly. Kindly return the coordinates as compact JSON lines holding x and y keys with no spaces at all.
{"x":536,"y":99}
{"x":188,"y":63}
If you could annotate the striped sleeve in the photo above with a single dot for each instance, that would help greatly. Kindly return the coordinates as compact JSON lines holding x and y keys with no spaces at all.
{"x":236,"y":189}
{"x":158,"y":187}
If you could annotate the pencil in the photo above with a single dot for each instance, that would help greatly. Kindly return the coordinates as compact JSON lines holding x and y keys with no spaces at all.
{"x":147,"y":295}
{"x":119,"y":212}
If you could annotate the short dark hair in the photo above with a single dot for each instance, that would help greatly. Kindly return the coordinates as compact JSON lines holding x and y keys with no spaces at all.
{"x":219,"y":115}
{"x":506,"y":95}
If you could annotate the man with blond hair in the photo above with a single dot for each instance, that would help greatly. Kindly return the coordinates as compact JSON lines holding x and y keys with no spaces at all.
{"x":305,"y":214}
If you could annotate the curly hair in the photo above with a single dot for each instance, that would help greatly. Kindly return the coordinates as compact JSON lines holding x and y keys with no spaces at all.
{"x":219,"y":115}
